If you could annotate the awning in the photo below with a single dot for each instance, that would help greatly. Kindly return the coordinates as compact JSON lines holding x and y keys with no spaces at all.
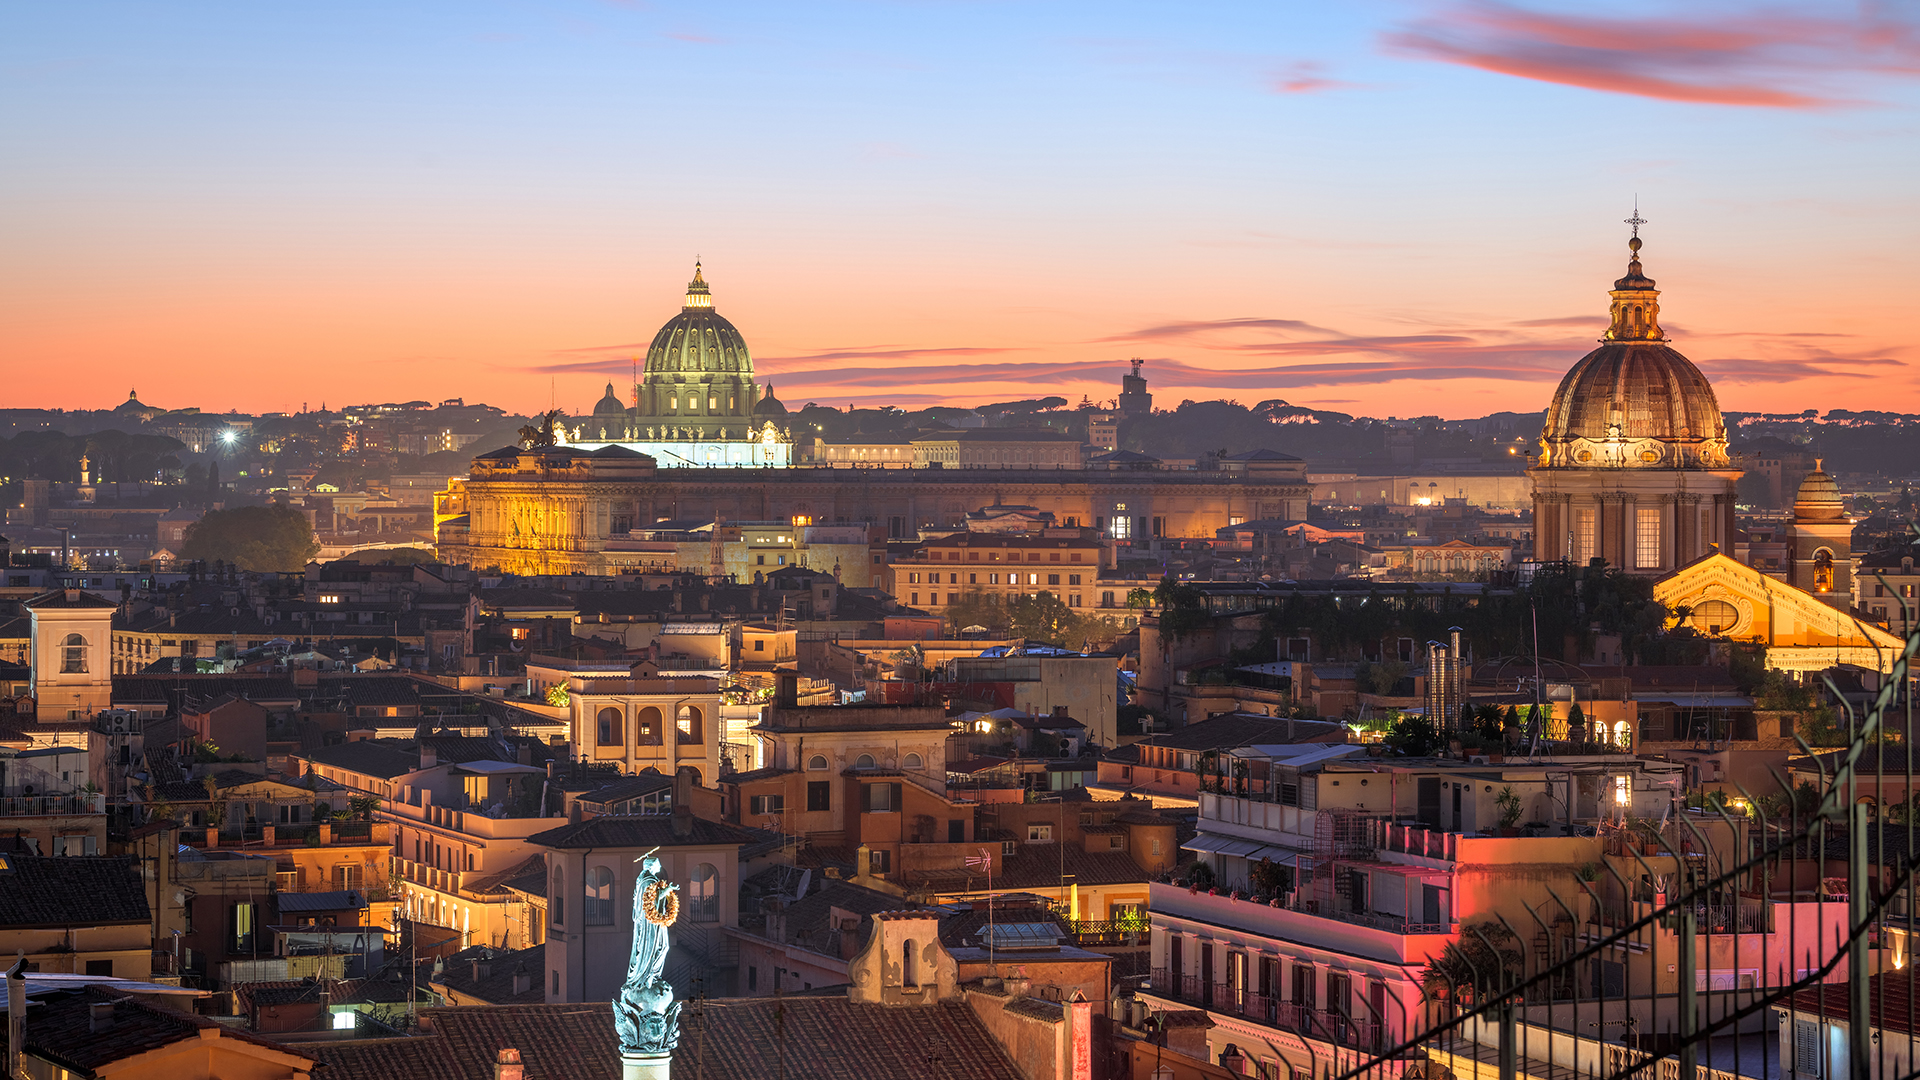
{"x":1233,"y":846}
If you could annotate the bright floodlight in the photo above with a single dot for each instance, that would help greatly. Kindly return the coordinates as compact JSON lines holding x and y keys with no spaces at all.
{"x":228,"y":436}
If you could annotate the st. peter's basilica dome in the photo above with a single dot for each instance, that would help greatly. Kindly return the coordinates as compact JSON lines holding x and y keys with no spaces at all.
{"x":1634,"y":402}
{"x":699,"y":340}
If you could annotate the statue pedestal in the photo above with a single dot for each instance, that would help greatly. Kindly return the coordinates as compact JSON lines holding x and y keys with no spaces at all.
{"x":645,"y":1066}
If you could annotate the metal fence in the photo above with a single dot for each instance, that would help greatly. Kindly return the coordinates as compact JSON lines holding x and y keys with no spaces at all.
{"x":1759,"y":934}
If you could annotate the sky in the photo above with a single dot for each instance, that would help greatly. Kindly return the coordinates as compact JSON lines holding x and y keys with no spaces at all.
{"x":1383,"y":208}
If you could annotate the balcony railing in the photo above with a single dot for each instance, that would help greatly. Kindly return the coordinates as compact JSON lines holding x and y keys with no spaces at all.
{"x":50,"y":805}
{"x":1392,"y":924}
{"x":1262,"y":1008}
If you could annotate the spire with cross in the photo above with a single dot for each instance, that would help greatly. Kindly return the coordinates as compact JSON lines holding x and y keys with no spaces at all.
{"x":1636,"y":220}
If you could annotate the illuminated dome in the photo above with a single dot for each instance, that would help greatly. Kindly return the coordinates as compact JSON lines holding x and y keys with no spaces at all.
{"x":1819,"y":497}
{"x":698,"y":340}
{"x":1634,"y":402}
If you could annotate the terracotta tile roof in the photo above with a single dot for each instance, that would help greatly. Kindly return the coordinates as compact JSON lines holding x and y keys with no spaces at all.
{"x":68,"y":598}
{"x":67,"y":890}
{"x":369,"y":757}
{"x":1889,"y":996}
{"x":59,"y":1029}
{"x":821,"y":1038}
{"x":1239,"y":729}
{"x":495,"y":986}
{"x":641,"y":830}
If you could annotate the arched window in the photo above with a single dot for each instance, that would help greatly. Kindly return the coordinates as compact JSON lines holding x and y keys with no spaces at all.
{"x":865,"y":762}
{"x":557,"y":904}
{"x":914,"y":761}
{"x":73,"y":655}
{"x":690,"y":726}
{"x":599,"y":909}
{"x":909,"y":964}
{"x":1822,"y":572}
{"x":817,"y":763}
{"x":612,"y":730}
{"x":703,"y":896}
{"x":647,"y":726}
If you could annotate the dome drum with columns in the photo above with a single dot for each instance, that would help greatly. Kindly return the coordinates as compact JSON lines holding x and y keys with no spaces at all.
{"x":1633,"y":464}
{"x":696,"y":402}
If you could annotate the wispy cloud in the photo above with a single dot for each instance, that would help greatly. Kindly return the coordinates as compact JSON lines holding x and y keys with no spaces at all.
{"x":1306,"y":77}
{"x":1761,"y":57}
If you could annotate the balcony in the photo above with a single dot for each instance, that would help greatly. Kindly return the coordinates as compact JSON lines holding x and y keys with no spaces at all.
{"x":1327,"y":1025}
{"x":52,"y":805}
{"x":1373,"y":936}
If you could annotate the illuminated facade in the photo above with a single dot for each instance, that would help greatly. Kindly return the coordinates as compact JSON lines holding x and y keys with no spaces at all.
{"x":1633,"y":465}
{"x":558,"y":510}
{"x":696,"y":404}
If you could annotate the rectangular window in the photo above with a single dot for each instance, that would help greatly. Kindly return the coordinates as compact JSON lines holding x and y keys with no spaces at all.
{"x":753,"y":979}
{"x":879,"y":861}
{"x":1074,"y":600}
{"x":100,"y":967}
{"x":1053,"y":579}
{"x":1122,"y":528}
{"x":762,"y":805}
{"x":1039,"y":834}
{"x":915,"y":601}
{"x":759,"y":646}
{"x":953,"y":598}
{"x":243,"y":928}
{"x":1807,"y":1058}
{"x":973,"y":579}
{"x":993,"y":579}
{"x":1646,"y":537}
{"x":819,"y":795}
{"x":884,"y":798}
{"x":1073,"y":579}
{"x":1032,"y":579}
{"x":1582,"y":537}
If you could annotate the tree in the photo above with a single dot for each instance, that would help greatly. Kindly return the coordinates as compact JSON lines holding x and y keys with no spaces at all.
{"x":213,"y":482}
{"x":1413,"y":736}
{"x":1040,"y":617}
{"x":252,"y":538}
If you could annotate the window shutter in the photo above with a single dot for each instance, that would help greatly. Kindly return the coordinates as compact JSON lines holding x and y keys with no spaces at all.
{"x":1806,"y":1048}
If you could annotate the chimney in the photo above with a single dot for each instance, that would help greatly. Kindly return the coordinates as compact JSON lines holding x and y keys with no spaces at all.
{"x":99,"y":1016}
{"x":786,"y":689}
{"x":522,"y":980}
{"x":1079,"y":1019}
{"x":507,"y":1066}
{"x":678,"y":601}
{"x":428,"y":757}
{"x":549,"y":770}
{"x":1019,"y":985}
{"x":482,"y":968}
{"x":683,"y":801}
{"x":525,"y":754}
{"x":73,"y":596}
{"x":573,"y":812}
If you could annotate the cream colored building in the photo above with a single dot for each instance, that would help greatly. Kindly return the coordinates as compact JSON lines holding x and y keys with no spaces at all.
{"x":71,"y":654}
{"x":1723,"y":597}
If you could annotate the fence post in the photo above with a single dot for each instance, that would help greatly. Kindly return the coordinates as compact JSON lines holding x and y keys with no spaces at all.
{"x":1859,"y":1014}
{"x":1689,"y":928}
{"x":1509,"y":1043}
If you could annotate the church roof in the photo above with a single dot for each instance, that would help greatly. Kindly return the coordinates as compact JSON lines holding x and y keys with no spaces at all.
{"x":770,"y":405}
{"x":1819,"y":497}
{"x":609,"y":405}
{"x":699,"y":340}
{"x":1633,"y":393}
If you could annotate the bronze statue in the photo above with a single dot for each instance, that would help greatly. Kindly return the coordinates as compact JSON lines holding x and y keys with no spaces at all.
{"x":645,"y":1014}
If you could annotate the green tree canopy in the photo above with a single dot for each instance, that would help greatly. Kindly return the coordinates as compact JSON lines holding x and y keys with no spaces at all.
{"x":253,"y":538}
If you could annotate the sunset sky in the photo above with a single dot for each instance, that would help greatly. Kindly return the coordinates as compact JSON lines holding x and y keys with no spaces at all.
{"x":1381,"y":208}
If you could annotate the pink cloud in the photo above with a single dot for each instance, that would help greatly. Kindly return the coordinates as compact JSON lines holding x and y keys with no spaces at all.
{"x":1759,"y":58}
{"x":1305,"y":78}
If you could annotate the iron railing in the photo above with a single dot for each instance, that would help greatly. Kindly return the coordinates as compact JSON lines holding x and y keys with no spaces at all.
{"x":1730,"y":950}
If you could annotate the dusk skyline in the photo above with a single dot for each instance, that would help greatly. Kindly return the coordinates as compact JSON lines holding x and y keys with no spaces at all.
{"x":1403,"y":209}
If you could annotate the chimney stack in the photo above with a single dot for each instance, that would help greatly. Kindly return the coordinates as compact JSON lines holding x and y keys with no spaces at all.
{"x":522,"y":981}
{"x":683,"y":801}
{"x":99,"y":1016}
{"x":507,"y":1066}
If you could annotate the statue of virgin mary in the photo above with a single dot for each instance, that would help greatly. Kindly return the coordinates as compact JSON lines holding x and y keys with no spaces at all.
{"x":645,"y":1014}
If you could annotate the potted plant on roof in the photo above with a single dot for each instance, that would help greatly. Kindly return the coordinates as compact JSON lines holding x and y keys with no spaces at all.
{"x":1510,"y":810}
